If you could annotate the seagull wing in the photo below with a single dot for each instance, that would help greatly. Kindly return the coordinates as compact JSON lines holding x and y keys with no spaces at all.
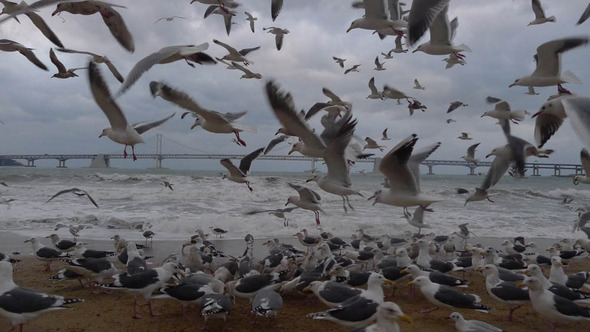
{"x":332,"y":95}
{"x":246,"y":162}
{"x":230,"y":49}
{"x":537,"y":9}
{"x":499,"y":167}
{"x":233,"y":170}
{"x":471,"y":150}
{"x":102,"y":96}
{"x":395,"y":166}
{"x":584,"y":16}
{"x":422,"y":15}
{"x":279,"y":40}
{"x":28,"y":53}
{"x":418,"y":157}
{"x":454,"y":25}
{"x":440,"y":30}
{"x":60,"y":66}
{"x":116,"y":25}
{"x":149,"y":125}
{"x":385,"y":133}
{"x":275,"y":8}
{"x":338,"y":170}
{"x":549,"y":55}
{"x":546,"y":125}
{"x":306,"y":194}
{"x":44,"y":28}
{"x":275,"y":142}
{"x":282,"y":105}
{"x":315,"y":109}
{"x":114,"y":70}
{"x":246,"y":51}
{"x":62,"y":192}
{"x":376,"y":9}
{"x":89,"y":197}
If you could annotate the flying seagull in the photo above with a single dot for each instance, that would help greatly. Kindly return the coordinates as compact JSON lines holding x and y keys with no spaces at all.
{"x":76,"y":191}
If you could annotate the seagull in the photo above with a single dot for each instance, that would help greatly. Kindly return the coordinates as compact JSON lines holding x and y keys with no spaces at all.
{"x":240,"y":175}
{"x":585,"y":160}
{"x":44,"y":253}
{"x":398,"y":45}
{"x":211,"y":121}
{"x":267,"y":303}
{"x":531,"y":91}
{"x":168,"y":54}
{"x":384,"y":137}
{"x":442,"y":295}
{"x":540,"y":14}
{"x":375,"y":94}
{"x":279,"y":213}
{"x":417,"y":220}
{"x":144,"y":283}
{"x":307,"y":200}
{"x":217,"y":231}
{"x":377,"y":18}
{"x":422,"y":15}
{"x":62,"y":72}
{"x":279,"y":34}
{"x":435,"y":276}
{"x":251,"y":19}
{"x":98,"y":59}
{"x":452,"y":60}
{"x":351,"y":69}
{"x":415,"y":105}
{"x":339,"y":61}
{"x":372,"y":144}
{"x":76,"y":191}
{"x":552,"y":113}
{"x":378,"y":65}
{"x":388,"y":314}
{"x":169,"y":19}
{"x":450,"y":120}
{"x":227,"y":14}
{"x":441,"y":34}
{"x":470,"y":157}
{"x":120,"y":131}
{"x":392,"y":93}
{"x":464,"y":136}
{"x":168,"y":185}
{"x":548,"y":59}
{"x":553,"y":307}
{"x":502,"y":112}
{"x":247,"y":73}
{"x":61,"y":245}
{"x":454,"y":105}
{"x":502,"y":291}
{"x":112,"y":19}
{"x":234,"y":54}
{"x":23,"y":8}
{"x":472,"y":325}
{"x":387,"y":55}
{"x":275,"y":8}
{"x":21,"y":305}
{"x":417,"y":85}
{"x":7,"y":202}
{"x":8,"y":45}
{"x":215,"y":305}
{"x":80,"y":251}
{"x":402,"y":172}
{"x":337,"y":181}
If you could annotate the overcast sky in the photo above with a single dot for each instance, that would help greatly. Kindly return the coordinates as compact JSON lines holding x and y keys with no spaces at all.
{"x":48,"y":115}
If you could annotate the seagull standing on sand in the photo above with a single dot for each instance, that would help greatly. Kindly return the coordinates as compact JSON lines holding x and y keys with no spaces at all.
{"x":416,"y":220}
{"x":540,"y":14}
{"x":44,"y":253}
{"x":240,"y":175}
{"x":442,"y":295}
{"x":472,"y":325}
{"x":120,"y":131}
{"x":21,"y":305}
{"x":211,"y":121}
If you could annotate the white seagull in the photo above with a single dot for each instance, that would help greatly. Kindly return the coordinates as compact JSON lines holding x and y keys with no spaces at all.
{"x":307,"y":200}
{"x":384,"y":136}
{"x":548,"y":58}
{"x":211,"y":121}
{"x":240,"y":175}
{"x":279,"y":35}
{"x":234,"y":54}
{"x":251,"y":19}
{"x":375,"y":94}
{"x":540,"y":14}
{"x":402,"y":172}
{"x":120,"y":131}
{"x":470,"y":157}
{"x":62,"y":72}
{"x":22,"y":7}
{"x":378,"y":65}
{"x":98,"y":59}
{"x":8,"y":45}
{"x":417,"y":85}
{"x":585,"y":160}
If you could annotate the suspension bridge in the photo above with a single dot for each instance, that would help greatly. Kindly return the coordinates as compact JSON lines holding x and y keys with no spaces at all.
{"x":102,"y":160}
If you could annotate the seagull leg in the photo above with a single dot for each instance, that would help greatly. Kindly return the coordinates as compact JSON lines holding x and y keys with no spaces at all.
{"x":153,"y":314}
{"x":133,"y":152}
{"x":125,"y":152}
{"x":426,"y":209}
{"x":348,"y":201}
{"x":238,"y":138}
{"x":317,"y":217}
{"x":188,"y":63}
{"x":489,"y":199}
{"x":426,"y":311}
{"x":135,"y":314}
{"x":512,"y":310}
{"x":248,"y":184}
{"x":344,"y":204}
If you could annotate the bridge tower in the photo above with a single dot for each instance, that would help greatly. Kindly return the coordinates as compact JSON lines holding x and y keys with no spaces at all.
{"x":158,"y":150}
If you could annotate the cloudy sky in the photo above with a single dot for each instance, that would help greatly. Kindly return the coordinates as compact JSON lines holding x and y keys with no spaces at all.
{"x":48,"y":115}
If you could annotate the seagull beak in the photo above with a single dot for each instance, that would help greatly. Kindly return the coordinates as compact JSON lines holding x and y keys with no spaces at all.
{"x":101,"y":135}
{"x":479,"y":269}
{"x":511,"y":85}
{"x":526,"y":272}
{"x":370,"y":198}
{"x":308,"y":180}
{"x":193,"y":126}
{"x":291,"y":151}
{"x":414,"y":51}
{"x":534,"y":115}
{"x":54,"y":13}
{"x":388,"y":282}
{"x":29,"y":240}
{"x":404,"y":271}
{"x":286,"y":203}
{"x":348,"y":29}
{"x":306,"y":289}
{"x":521,"y":285}
{"x":406,"y":318}
{"x":487,"y":155}
{"x":411,"y":283}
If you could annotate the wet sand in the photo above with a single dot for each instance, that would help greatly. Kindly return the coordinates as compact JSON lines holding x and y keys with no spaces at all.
{"x":112,"y":311}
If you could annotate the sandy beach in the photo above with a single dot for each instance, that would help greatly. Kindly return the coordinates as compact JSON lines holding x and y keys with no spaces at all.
{"x":113,"y":311}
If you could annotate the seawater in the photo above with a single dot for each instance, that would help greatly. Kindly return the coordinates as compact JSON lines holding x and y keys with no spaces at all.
{"x":131,"y":199}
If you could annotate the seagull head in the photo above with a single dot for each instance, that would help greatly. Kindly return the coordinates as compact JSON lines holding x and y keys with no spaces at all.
{"x":292,"y":200}
{"x":198,"y":122}
{"x":296,"y":147}
{"x":392,"y":311}
{"x":531,"y":282}
{"x":355,"y":24}
{"x":60,"y":7}
{"x":376,"y":196}
{"x":576,"y":179}
{"x":315,"y":178}
{"x":105,"y":132}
